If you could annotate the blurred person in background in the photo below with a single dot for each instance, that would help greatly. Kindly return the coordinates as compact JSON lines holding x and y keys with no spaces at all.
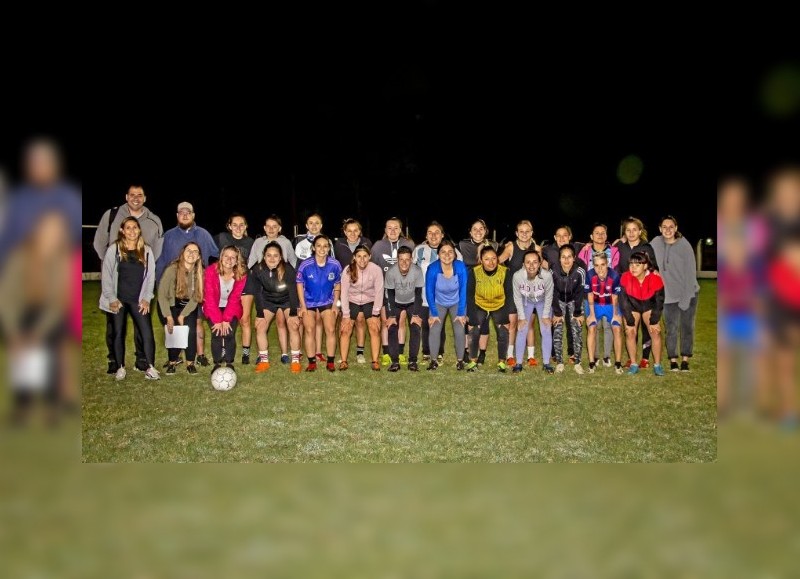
{"x":127,"y":288}
{"x":742,"y":239}
{"x":38,"y":247}
{"x":153,"y":234}
{"x":236,"y":235}
{"x":677,"y":265}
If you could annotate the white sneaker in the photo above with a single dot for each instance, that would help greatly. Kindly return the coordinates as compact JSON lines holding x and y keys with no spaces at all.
{"x":559,"y":368}
{"x":619,"y":370}
{"x":152,"y":374}
{"x":121,"y":373}
{"x":578,"y":369}
{"x":361,"y":359}
{"x":607,"y":362}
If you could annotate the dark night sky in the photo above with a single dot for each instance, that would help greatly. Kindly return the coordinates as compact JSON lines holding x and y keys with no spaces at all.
{"x":418,"y":136}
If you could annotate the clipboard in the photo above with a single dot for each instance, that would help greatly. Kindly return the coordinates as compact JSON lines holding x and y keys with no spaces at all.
{"x":179,"y":338}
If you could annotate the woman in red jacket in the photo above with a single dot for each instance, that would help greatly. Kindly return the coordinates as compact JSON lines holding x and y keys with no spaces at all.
{"x":222,"y":305}
{"x":642,"y":301}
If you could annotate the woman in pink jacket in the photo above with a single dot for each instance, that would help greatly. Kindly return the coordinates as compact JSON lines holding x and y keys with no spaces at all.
{"x":362,"y":299}
{"x":222,"y":304}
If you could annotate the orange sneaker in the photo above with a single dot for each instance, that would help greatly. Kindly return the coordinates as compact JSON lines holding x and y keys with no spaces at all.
{"x":262,"y":367}
{"x":512,"y":361}
{"x":376,"y":365}
{"x":532,"y":362}
{"x":295,"y":367}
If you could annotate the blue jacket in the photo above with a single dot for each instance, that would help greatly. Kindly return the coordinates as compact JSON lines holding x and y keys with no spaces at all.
{"x":174,"y":241}
{"x":434,"y":270}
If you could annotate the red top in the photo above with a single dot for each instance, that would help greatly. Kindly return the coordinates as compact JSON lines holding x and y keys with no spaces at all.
{"x":211,"y":291}
{"x":641,"y":290}
{"x":784,"y":281}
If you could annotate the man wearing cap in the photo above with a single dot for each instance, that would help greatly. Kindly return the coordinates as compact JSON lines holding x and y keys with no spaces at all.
{"x":106,"y":234}
{"x":174,"y":241}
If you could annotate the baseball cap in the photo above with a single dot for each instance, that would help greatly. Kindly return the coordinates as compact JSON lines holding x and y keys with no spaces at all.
{"x":185,"y":205}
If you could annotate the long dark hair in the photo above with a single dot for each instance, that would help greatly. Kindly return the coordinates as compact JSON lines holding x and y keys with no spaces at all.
{"x":281,"y":264}
{"x":353,"y":266}
{"x":641,"y":257}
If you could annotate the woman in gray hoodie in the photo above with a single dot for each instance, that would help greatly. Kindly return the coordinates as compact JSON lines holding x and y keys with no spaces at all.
{"x":678,"y":266}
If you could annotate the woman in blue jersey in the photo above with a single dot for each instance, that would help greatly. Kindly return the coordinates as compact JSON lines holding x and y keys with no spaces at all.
{"x":446,"y":291}
{"x":319,"y":284}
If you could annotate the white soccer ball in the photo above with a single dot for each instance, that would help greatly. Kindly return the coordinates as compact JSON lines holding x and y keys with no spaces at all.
{"x":223,"y":378}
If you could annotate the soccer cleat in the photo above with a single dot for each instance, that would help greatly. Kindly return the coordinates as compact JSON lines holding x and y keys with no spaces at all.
{"x":673,"y":367}
{"x":426,"y":358}
{"x":403,"y":359}
{"x":685,"y":366}
{"x":516,"y":369}
{"x":285,"y":358}
{"x":113,"y":367}
{"x":330,"y":367}
{"x":634,"y":369}
{"x":548,"y":368}
{"x":295,"y":367}
{"x":230,"y":365}
{"x":532,"y":362}
{"x":578,"y":369}
{"x":643,"y":363}
{"x":440,"y":358}
{"x":386,"y":359}
{"x":394,"y":367}
{"x":433,"y":365}
{"x":320,"y":357}
{"x":152,"y":374}
{"x":262,"y":366}
{"x":312,"y":367}
{"x":201,"y":359}
{"x":591,"y":367}
{"x":658,"y":369}
{"x":619,"y":370}
{"x":191,"y":368}
{"x":511,"y":361}
{"x":559,"y":368}
{"x":472,"y":366}
{"x":343,"y":365}
{"x":361,"y":359}
{"x":171,"y":367}
{"x":120,"y":374}
{"x":412,"y":366}
{"x":245,"y":359}
{"x":607,"y":362}
{"x":502,"y":366}
{"x":460,"y":365}
{"x":376,"y":366}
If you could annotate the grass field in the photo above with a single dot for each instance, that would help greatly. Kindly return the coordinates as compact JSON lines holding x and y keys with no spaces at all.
{"x":365,"y":416}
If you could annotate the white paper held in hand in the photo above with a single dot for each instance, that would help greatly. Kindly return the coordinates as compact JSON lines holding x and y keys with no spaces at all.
{"x":179,"y":338}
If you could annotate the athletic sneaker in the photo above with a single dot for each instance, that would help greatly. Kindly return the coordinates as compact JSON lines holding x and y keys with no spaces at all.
{"x":502,"y":366}
{"x":321,"y":357}
{"x":516,"y":369}
{"x":644,"y":363}
{"x":112,"y":367}
{"x":578,"y":369}
{"x":472,"y":366}
{"x":440,"y":358}
{"x":412,"y":366}
{"x":460,"y":365}
{"x":386,"y":359}
{"x":394,"y":367}
{"x":634,"y":369}
{"x":572,"y":359}
{"x":120,"y":374}
{"x":245,"y":359}
{"x":343,"y":365}
{"x":559,"y":368}
{"x":673,"y":366}
{"x":658,"y":369}
{"x":607,"y":362}
{"x":312,"y":366}
{"x":295,"y":367}
{"x":152,"y":374}
{"x":141,"y":366}
{"x":171,"y":368}
{"x":330,"y":367}
{"x":361,"y":359}
{"x":191,"y":368}
{"x":684,"y":366}
{"x":376,"y":366}
{"x":201,"y":359}
{"x":591,"y":367}
{"x":285,"y":359}
{"x":262,"y":366}
{"x":618,"y":370}
{"x":433,"y":365}
{"x":532,"y":362}
{"x":511,"y":361}
{"x":426,"y":358}
{"x":549,"y":369}
{"x":403,"y":359}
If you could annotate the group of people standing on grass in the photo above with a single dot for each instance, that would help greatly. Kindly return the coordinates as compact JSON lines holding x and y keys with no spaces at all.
{"x":397,"y":292}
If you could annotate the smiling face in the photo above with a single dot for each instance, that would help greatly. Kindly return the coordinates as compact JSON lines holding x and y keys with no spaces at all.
{"x":477,"y":232}
{"x":131,"y":231}
{"x":321,"y":248}
{"x":135,"y":199}
{"x":229,"y":258}
{"x":272,"y":228}
{"x":524,"y":233}
{"x":532,"y":264}
{"x":393,"y":229}
{"x":632,"y":233}
{"x":434,"y":236}
{"x":238,"y":227}
{"x":191,"y":253}
{"x":404,"y":262}
{"x":272,"y":257}
{"x":314,"y":224}
{"x":362,"y":258}
{"x":600,"y":264}
{"x":668,"y":230}
{"x":447,"y":254}
{"x":489,"y":260}
{"x":352,"y":232}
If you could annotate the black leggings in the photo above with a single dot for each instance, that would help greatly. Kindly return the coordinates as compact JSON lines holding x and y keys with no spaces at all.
{"x":223,"y":348}
{"x":145,"y":325}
